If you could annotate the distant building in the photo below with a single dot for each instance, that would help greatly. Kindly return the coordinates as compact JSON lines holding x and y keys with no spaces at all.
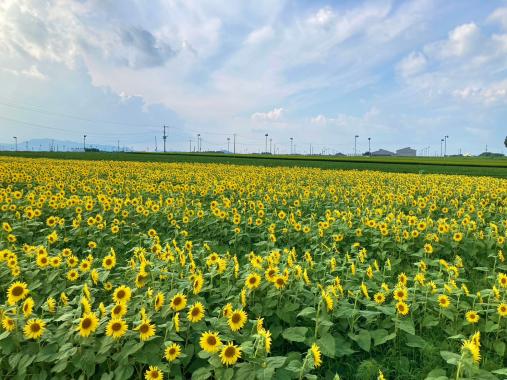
{"x":382,"y":152}
{"x":406,"y":152}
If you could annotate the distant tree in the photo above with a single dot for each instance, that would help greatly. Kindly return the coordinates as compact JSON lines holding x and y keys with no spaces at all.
{"x":505,"y":142}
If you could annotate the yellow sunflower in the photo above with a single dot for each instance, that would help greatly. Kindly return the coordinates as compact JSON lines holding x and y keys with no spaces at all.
{"x":17,"y":292}
{"x":118,"y":311}
{"x":172,"y":352}
{"x":472,"y":317}
{"x":379,"y":298}
{"x":146,"y":329}
{"x":210,"y":342}
{"x":178,"y":302}
{"x":153,"y":373}
{"x":34,"y":328}
{"x":122,"y":294}
{"x":116,"y":328}
{"x":230,"y":354}
{"x":237,"y":319}
{"x":8,"y":323}
{"x":28,"y":307}
{"x":195,"y":312}
{"x":88,"y":324}
{"x":317,"y":358}
{"x":443,"y":301}
{"x":402,"y":308}
{"x":253,"y":281}
{"x":502,"y":310}
{"x":159,"y":301}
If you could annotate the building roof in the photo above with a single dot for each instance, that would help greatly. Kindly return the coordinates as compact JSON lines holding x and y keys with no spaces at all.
{"x":407,"y":149}
{"x":382,"y":152}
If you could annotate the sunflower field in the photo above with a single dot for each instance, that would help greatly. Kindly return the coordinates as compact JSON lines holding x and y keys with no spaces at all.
{"x":118,"y":270}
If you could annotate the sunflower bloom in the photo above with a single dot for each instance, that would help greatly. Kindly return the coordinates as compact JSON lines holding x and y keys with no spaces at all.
{"x":230,"y":354}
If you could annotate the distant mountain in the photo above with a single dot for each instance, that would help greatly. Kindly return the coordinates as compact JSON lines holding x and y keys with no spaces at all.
{"x":57,"y":146}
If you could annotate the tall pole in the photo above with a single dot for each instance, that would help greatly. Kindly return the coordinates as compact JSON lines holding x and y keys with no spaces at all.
{"x":441,"y":150}
{"x":118,"y":145}
{"x":228,"y":143}
{"x":156,"y":146}
{"x":234,"y":143}
{"x":445,"y":145}
{"x":266,"y":148}
{"x":270,"y":145}
{"x":198,"y":142}
{"x":190,"y":145}
{"x":84,"y":143}
{"x":164,"y":137}
{"x":291,"y":141}
{"x":369,"y":146}
{"x":355,"y":144}
{"x":16,"y":142}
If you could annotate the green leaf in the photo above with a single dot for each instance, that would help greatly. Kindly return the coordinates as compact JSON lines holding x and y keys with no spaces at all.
{"x":491,"y":326}
{"x":124,"y":372}
{"x":4,"y":335}
{"x":415,"y":341}
{"x":499,"y":348}
{"x":501,"y":371}
{"x":407,"y":325}
{"x":245,"y":371}
{"x":276,"y":361}
{"x":437,"y":374}
{"x":327,"y":345}
{"x":295,"y":334}
{"x":307,"y":312}
{"x":450,"y":357}
{"x":363,"y":339}
{"x":202,"y":373}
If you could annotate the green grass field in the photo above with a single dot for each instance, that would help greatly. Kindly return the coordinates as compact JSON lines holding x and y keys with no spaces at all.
{"x":450,"y":165}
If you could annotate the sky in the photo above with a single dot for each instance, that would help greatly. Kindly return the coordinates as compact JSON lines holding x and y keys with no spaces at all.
{"x":402,"y":73}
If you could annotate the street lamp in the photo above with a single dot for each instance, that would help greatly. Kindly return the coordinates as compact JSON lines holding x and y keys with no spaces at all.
{"x":228,"y":142}
{"x":441,"y":151}
{"x":16,"y":141}
{"x":291,"y":140}
{"x":445,"y":145}
{"x":84,"y":143}
{"x":199,"y":142}
{"x":369,"y":147}
{"x":355,"y":144}
{"x":266,"y":149}
{"x":270,"y":144}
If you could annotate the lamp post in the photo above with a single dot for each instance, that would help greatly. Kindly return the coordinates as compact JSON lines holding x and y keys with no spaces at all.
{"x":228,"y":142}
{"x":84,"y":143}
{"x":16,"y":142}
{"x":355,"y":144}
{"x":441,"y":149}
{"x":270,"y":145}
{"x":266,"y":148}
{"x":291,"y":140}
{"x":445,"y":145}
{"x":199,"y":142}
{"x":369,"y":146}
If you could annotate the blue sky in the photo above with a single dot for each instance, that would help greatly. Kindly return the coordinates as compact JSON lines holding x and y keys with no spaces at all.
{"x":404,"y":73}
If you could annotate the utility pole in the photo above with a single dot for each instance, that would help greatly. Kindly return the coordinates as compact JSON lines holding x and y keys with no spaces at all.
{"x":441,"y":151}
{"x":234,"y":143}
{"x":355,"y":144}
{"x":190,"y":145}
{"x":84,"y":143}
{"x":270,"y":143}
{"x":369,"y":146}
{"x":310,"y":149}
{"x":156,"y":147}
{"x":291,"y":141}
{"x":118,"y":146}
{"x":164,"y":137}
{"x":16,"y":142}
{"x":266,"y":148}
{"x":228,"y":143}
{"x":445,"y":145}
{"x":198,"y":142}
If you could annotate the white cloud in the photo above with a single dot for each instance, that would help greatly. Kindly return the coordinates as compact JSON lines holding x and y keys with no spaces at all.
{"x":31,"y":72}
{"x":260,"y":35}
{"x":323,"y":17}
{"x":270,"y":116}
{"x":463,"y":40}
{"x":412,"y":64}
{"x":490,"y":94}
{"x":499,"y":16}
